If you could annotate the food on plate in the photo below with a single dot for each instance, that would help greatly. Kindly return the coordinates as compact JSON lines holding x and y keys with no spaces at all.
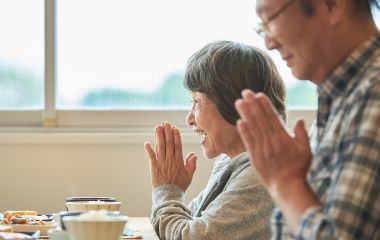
{"x":14,"y":236}
{"x":12,"y":213}
{"x":25,"y":212}
{"x":23,"y":217}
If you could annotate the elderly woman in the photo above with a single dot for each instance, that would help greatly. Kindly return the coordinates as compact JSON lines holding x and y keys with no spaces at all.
{"x":234,"y":204}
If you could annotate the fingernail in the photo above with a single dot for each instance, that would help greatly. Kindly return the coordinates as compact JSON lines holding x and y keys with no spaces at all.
{"x":238,"y":101}
{"x":246,"y":91}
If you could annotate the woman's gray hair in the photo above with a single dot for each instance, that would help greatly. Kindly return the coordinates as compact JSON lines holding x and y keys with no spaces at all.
{"x":222,"y":69}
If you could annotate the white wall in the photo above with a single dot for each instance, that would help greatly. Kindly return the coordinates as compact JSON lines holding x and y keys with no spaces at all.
{"x":39,"y":170}
{"x":40,"y":176}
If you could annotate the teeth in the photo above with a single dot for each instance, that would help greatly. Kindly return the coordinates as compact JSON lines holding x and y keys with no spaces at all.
{"x":201,"y":133}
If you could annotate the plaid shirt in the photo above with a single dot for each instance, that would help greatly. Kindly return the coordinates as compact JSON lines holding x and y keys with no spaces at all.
{"x":345,"y":170}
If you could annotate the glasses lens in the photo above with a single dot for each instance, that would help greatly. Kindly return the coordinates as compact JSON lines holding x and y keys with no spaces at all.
{"x":259,"y":29}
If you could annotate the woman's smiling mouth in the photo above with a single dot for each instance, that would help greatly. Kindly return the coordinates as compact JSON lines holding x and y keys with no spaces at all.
{"x":203,"y":134}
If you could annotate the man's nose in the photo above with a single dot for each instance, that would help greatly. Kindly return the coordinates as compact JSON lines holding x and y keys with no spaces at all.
{"x":270,"y":42}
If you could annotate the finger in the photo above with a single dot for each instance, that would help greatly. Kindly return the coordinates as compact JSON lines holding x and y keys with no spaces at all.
{"x":152,"y":161}
{"x":301,"y":133}
{"x":242,"y":108}
{"x":257,"y":112}
{"x":150,"y":153}
{"x":192,"y":165}
{"x":253,"y":129}
{"x":248,"y":140}
{"x":188,"y":156}
{"x":160,"y":144}
{"x":169,"y":142}
{"x":151,"y":156}
{"x":177,"y":145}
{"x":272,"y":117}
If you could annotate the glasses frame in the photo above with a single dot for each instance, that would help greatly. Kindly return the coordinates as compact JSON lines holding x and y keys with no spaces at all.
{"x":262,"y":27}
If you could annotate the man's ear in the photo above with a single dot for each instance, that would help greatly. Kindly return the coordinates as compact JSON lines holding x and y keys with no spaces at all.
{"x":335,"y":10}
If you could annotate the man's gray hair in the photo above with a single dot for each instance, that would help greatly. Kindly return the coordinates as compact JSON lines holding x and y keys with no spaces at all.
{"x":362,"y":5}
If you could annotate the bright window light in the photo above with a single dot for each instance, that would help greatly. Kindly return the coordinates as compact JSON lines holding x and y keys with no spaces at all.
{"x":21,"y":54}
{"x":117,"y":54}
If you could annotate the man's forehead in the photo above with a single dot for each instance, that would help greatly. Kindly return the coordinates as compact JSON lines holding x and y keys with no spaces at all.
{"x":263,"y":6}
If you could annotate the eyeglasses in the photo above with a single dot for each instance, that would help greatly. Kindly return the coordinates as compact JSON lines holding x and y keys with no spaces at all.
{"x":262,"y":27}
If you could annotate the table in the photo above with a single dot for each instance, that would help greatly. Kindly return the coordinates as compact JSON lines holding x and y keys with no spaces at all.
{"x":144,"y":226}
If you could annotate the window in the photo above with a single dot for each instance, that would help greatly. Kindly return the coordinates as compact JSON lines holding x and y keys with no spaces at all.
{"x":106,"y":63}
{"x":21,"y":54}
{"x":131,"y":54}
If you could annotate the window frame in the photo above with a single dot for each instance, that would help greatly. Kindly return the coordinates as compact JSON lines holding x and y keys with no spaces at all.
{"x":95,"y":120}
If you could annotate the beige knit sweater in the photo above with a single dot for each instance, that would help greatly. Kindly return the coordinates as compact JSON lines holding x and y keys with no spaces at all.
{"x":234,"y":205}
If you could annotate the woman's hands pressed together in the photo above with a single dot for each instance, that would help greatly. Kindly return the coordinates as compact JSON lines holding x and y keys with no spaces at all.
{"x":167,"y":165}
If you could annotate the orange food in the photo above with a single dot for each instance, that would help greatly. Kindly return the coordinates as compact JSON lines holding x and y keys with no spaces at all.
{"x":24,"y":217}
{"x":10,"y":214}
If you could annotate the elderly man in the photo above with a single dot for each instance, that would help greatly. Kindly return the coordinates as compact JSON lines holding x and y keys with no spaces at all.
{"x":329,"y":190}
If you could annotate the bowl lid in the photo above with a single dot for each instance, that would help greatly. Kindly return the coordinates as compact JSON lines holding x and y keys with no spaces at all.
{"x":87,"y":199}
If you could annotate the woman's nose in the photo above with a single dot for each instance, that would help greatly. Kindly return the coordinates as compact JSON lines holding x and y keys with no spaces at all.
{"x":190,"y":118}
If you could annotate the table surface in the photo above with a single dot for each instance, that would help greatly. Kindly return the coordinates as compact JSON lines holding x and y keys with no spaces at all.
{"x":144,"y":226}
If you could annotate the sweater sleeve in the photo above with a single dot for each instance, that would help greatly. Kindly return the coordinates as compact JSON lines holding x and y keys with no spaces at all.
{"x":240,"y":212}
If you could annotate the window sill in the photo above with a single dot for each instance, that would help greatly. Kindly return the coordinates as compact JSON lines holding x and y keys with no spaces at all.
{"x":92,"y":132}
{"x":85,"y":136}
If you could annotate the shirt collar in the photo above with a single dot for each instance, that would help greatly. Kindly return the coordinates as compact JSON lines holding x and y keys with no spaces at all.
{"x":342,"y":77}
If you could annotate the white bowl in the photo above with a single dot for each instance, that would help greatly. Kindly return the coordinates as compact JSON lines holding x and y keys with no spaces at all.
{"x":58,"y":217}
{"x":110,"y":229}
{"x":92,"y":205}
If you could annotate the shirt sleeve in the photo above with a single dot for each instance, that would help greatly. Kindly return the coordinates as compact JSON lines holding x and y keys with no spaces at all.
{"x":240,"y":212}
{"x":352,"y":207}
